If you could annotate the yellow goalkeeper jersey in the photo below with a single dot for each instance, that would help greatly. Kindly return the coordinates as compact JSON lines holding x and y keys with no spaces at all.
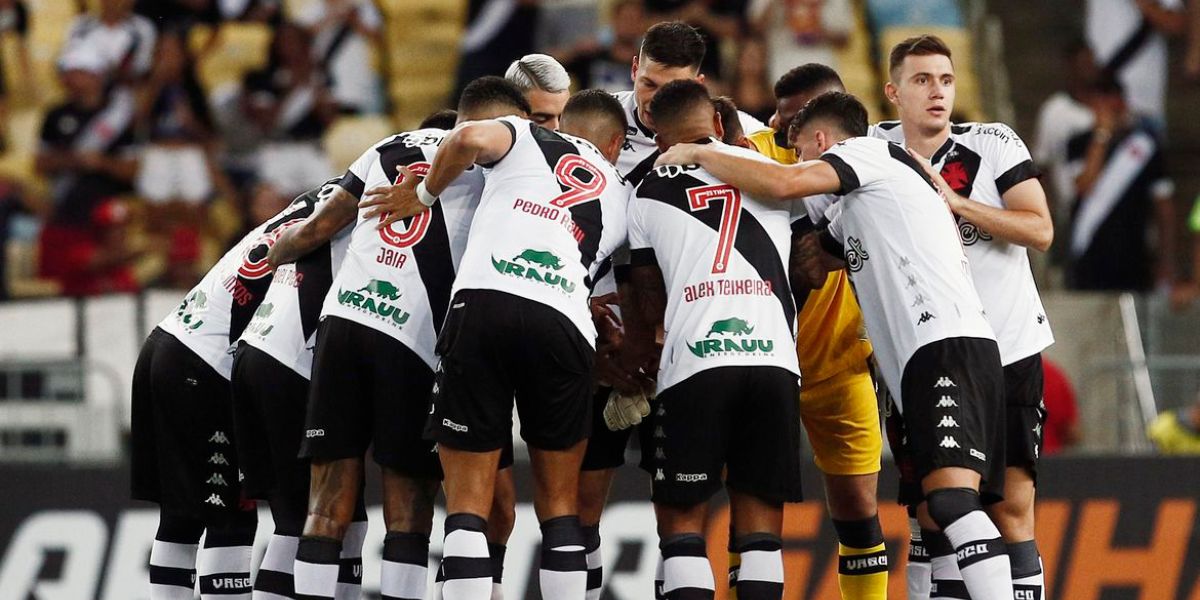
{"x":831,"y":336}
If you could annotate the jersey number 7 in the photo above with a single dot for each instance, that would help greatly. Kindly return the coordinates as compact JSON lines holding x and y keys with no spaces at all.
{"x":416,"y":229}
{"x":699,"y":198}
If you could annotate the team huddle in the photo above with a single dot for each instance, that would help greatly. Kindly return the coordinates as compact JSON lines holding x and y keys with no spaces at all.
{"x":652,"y":261}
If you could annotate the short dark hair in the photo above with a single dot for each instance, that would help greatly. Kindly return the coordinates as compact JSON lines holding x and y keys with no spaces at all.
{"x":729,"y":119}
{"x":842,"y":109}
{"x":674,"y":44}
{"x":596,"y":104}
{"x":806,"y":79}
{"x":489,"y":91}
{"x":442,"y":119}
{"x":921,"y":45}
{"x":677,"y":99}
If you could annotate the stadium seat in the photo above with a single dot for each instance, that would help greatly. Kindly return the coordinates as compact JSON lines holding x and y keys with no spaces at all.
{"x":17,"y":162}
{"x":422,"y":53}
{"x":239,"y":48}
{"x":855,"y":66}
{"x":906,"y":13}
{"x":21,"y":266}
{"x":348,"y":136}
{"x":968,"y":93}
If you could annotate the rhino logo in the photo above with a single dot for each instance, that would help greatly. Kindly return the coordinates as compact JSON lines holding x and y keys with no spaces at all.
{"x":541,"y":258}
{"x":732,"y":326}
{"x":264,"y":310}
{"x":381,"y":288}
{"x":199,"y":299}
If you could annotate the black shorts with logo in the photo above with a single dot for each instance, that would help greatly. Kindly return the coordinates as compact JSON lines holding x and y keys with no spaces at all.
{"x":741,"y":421}
{"x":183,"y":452}
{"x":369,"y":389}
{"x":606,"y":448}
{"x":269,"y":403}
{"x":953,"y":416}
{"x":497,"y":347}
{"x":1024,"y":383}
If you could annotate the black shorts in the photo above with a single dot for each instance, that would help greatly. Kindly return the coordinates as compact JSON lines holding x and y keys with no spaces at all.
{"x":369,"y":389}
{"x":741,"y":421}
{"x":269,"y":401}
{"x":497,"y":347}
{"x":953,"y":416}
{"x":183,"y":444}
{"x":606,"y":448}
{"x":1025,"y":412}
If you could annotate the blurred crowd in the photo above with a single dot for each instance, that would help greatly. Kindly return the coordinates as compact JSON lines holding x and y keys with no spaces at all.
{"x":147,"y":163}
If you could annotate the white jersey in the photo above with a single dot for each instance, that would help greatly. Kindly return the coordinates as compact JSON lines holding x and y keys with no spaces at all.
{"x":724,"y":257}
{"x":903,"y":253}
{"x":214,"y":313}
{"x":285,"y":324}
{"x":553,"y":209}
{"x":982,"y":161}
{"x":398,"y":279}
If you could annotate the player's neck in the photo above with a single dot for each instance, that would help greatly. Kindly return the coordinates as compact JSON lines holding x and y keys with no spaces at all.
{"x":924,"y":142}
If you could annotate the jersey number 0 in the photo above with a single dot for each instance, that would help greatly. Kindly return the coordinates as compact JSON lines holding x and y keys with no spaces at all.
{"x":416,"y":229}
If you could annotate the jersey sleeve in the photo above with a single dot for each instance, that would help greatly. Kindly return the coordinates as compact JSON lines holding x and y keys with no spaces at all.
{"x":519,"y":128}
{"x":1008,"y":153}
{"x":641,"y":253}
{"x":354,"y":180}
{"x":831,"y":234}
{"x":856,"y":162}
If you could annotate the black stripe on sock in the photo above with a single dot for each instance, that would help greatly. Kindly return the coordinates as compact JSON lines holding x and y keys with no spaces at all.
{"x":950,"y":589}
{"x":591,"y":538}
{"x":311,"y":597}
{"x":973,"y":552}
{"x":595,"y":578}
{"x":496,"y":552}
{"x":225,"y":584}
{"x":405,"y":547}
{"x":684,"y":545}
{"x":466,"y":521}
{"x":863,"y":564}
{"x":937,"y":543}
{"x":350,"y":571}
{"x":318,"y":551}
{"x":185,"y":578}
{"x":748,"y":588}
{"x":763,"y":542}
{"x":690,"y":594}
{"x":463,"y":567}
{"x":275,"y":582}
{"x":861,"y":533}
{"x":917,"y":552}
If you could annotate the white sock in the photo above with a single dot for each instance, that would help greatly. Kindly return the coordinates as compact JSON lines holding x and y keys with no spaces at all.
{"x":760,"y":576}
{"x":687,"y":574}
{"x":465,"y":561}
{"x":563,"y":569}
{"x":982,"y":557}
{"x":917,"y":573}
{"x":172,"y":570}
{"x":274,"y":579}
{"x":223,"y":567}
{"x":405,"y":565}
{"x":316,"y":568}
{"x":349,"y":585}
{"x":947,"y":580}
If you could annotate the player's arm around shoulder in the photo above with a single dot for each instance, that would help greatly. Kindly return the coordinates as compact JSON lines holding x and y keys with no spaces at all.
{"x":335,"y":209}
{"x":755,"y":174}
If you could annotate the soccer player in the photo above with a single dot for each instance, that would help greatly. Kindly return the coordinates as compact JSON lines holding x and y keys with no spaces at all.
{"x":373,"y":367}
{"x":714,"y":259}
{"x":838,"y":405}
{"x":183,"y":453}
{"x":545,"y":84}
{"x":553,"y":209}
{"x":991,"y":185}
{"x":935,"y":348}
{"x":270,"y":383}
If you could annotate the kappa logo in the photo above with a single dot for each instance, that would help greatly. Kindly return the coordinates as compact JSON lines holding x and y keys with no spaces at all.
{"x":691,"y":477}
{"x":217,"y":479}
{"x":949,"y":442}
{"x":944,"y":382}
{"x":978,"y":454}
{"x":218,"y":437}
{"x":947,"y":402}
{"x":658,"y":475}
{"x":925,"y":318}
{"x":215,"y":500}
{"x":658,"y":433}
{"x":948,"y":421}
{"x":1041,"y":319}
{"x":217,"y":459}
{"x":918,"y":301}
{"x":447,"y":423}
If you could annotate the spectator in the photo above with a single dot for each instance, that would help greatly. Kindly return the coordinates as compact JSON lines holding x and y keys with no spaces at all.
{"x":86,"y":148}
{"x":290,"y":105}
{"x":1191,"y":62}
{"x":604,"y":63}
{"x":14,"y":17}
{"x":21,"y":214}
{"x":177,"y":176}
{"x":344,"y":32}
{"x":89,"y":254}
{"x":121,"y":41}
{"x":751,"y":89}
{"x":797,"y":32}
{"x":564,"y":24}
{"x":718,"y":21}
{"x":498,"y":32}
{"x":1129,"y":39}
{"x":180,"y":15}
{"x":1177,"y":431}
{"x":1063,"y":116}
{"x":1121,"y":182}
{"x":1061,"y":430}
